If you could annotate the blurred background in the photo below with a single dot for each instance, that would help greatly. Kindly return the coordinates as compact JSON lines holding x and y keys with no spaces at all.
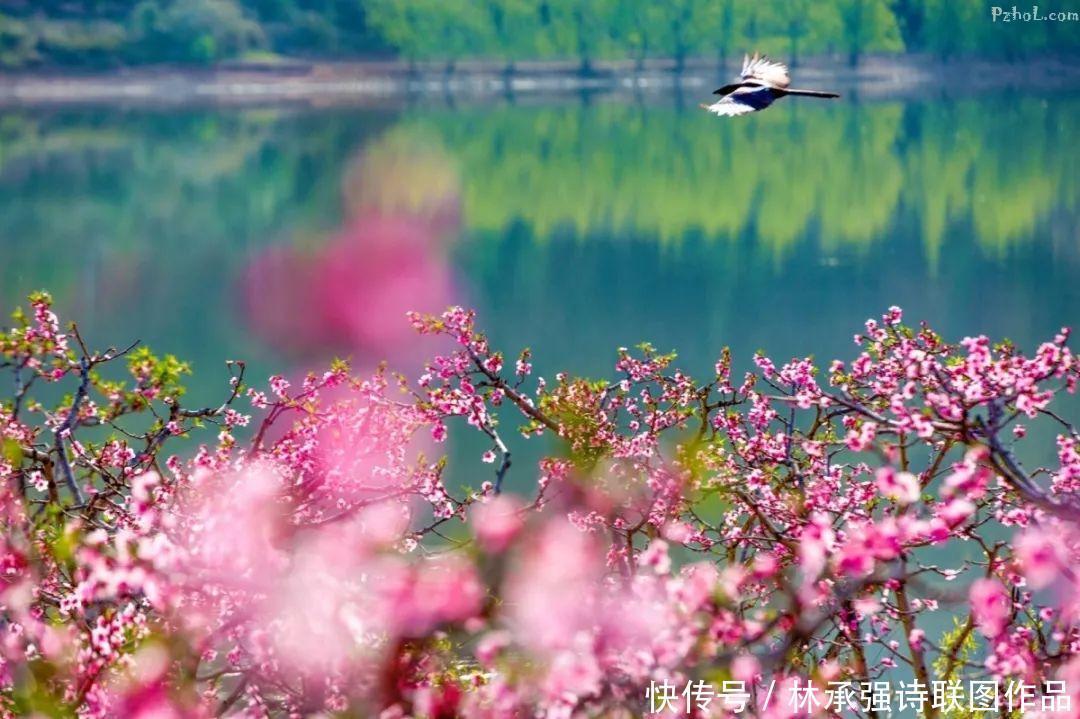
{"x":286,"y":233}
{"x":109,"y":33}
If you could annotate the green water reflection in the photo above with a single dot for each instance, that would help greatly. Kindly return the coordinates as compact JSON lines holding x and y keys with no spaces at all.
{"x":574,"y":228}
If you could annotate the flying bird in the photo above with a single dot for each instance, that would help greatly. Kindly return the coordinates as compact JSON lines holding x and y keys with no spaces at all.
{"x":761,"y":83}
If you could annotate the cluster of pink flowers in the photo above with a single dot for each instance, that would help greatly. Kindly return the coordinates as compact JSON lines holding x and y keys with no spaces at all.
{"x":311,"y":558}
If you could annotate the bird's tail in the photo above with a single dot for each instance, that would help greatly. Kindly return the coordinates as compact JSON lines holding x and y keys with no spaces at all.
{"x":811,"y":93}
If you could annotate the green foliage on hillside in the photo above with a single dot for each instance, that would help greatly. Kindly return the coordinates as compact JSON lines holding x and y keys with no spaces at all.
{"x":102,"y":33}
{"x":105,"y":33}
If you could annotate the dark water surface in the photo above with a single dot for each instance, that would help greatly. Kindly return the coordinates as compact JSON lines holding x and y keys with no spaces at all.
{"x":287,"y":236}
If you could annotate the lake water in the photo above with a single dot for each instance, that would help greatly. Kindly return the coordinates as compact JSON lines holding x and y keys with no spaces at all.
{"x":287,"y":236}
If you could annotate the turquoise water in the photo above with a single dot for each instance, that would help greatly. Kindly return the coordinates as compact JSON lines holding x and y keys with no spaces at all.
{"x":287,"y":236}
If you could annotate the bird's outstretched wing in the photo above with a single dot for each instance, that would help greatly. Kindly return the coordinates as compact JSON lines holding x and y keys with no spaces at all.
{"x":742,"y":100}
{"x":729,"y":108}
{"x":765,"y":71}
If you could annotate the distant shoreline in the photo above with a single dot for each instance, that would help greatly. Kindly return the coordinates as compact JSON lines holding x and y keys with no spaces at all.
{"x":391,"y":82}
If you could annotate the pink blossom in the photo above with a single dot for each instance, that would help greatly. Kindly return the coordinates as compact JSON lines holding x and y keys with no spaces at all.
{"x":655,"y":557}
{"x":955,"y":512}
{"x":497,"y":523}
{"x":902,"y":487}
{"x":320,"y":559}
{"x":1039,"y":555}
{"x":745,"y":668}
{"x":991,"y":606}
{"x":492,"y":644}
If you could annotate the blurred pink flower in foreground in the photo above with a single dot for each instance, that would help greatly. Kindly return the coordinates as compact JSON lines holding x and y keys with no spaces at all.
{"x":374,"y":272}
{"x":351,"y":294}
{"x":402,"y":208}
{"x":990,"y":606}
{"x":1041,"y":556}
{"x":498,"y":522}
